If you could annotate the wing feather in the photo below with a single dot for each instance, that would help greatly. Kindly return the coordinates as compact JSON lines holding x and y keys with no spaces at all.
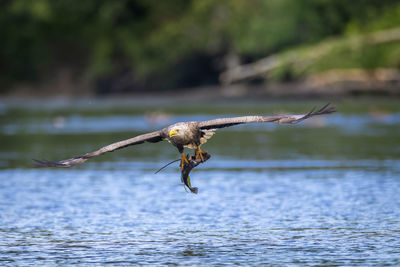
{"x":227,"y":122}
{"x":207,"y":126}
{"x":152,"y":137}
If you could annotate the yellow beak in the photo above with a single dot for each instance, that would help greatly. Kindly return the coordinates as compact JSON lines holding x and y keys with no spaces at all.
{"x":172,"y":133}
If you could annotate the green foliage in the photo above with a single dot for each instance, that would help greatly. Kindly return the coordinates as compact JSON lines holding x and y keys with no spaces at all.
{"x":376,"y":19}
{"x":365,"y":57}
{"x":151,"y":38}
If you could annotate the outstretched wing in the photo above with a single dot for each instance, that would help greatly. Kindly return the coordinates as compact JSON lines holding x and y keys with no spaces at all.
{"x":149,"y":137}
{"x":227,"y":122}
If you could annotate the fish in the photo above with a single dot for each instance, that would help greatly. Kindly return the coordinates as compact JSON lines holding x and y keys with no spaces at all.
{"x":188,"y":167}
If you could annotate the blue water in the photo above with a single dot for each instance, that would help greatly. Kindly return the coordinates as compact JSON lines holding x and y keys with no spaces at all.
{"x":323,"y":216}
{"x":324,"y":193}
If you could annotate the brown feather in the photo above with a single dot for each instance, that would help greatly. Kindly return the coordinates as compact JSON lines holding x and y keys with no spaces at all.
{"x":152,"y":137}
{"x":227,"y":122}
{"x":196,"y":133}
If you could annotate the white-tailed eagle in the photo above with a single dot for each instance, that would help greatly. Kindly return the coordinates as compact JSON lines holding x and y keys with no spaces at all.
{"x":186,"y":134}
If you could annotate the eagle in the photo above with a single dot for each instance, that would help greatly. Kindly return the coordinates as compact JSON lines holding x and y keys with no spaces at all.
{"x":187,"y":135}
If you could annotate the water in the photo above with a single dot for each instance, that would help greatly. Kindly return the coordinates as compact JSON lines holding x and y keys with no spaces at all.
{"x":324,"y":193}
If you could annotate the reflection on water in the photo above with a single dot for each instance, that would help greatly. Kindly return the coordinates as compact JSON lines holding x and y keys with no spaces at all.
{"x":321,"y":193}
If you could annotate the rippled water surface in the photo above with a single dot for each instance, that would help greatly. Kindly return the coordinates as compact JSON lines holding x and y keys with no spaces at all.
{"x":324,"y":192}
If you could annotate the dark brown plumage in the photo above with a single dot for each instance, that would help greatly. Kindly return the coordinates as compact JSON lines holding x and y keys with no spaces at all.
{"x":186,"y":134}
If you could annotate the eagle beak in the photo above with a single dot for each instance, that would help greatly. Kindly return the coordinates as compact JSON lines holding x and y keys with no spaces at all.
{"x":172,"y":133}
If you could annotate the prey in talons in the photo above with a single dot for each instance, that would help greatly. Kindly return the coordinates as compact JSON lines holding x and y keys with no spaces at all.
{"x":188,"y":167}
{"x":190,"y":134}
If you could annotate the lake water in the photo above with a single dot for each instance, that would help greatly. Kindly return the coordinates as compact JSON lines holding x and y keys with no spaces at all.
{"x":325,"y":192}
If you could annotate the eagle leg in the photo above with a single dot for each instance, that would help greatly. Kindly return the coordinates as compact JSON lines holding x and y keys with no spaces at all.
{"x":199,"y":154}
{"x":183,"y":160}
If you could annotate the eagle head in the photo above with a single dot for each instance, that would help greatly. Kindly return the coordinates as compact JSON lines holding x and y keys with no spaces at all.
{"x":173,"y":132}
{"x":180,"y":134}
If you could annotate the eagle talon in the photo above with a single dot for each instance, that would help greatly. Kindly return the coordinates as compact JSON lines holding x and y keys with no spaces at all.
{"x":199,"y":154}
{"x":183,"y":160}
{"x":201,"y":157}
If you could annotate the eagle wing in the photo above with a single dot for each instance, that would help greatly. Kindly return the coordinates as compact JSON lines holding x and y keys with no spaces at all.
{"x":152,"y":137}
{"x":227,"y":122}
{"x":208,"y":128}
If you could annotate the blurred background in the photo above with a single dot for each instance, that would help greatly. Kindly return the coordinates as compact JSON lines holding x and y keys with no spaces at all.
{"x":79,"y":75}
{"x":275,"y":47}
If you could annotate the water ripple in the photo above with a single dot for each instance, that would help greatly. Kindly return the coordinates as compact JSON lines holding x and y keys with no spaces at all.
{"x":281,"y":216}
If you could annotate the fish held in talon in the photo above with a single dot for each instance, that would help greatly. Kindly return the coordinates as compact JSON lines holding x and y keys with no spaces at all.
{"x":190,"y":135}
{"x":199,"y":154}
{"x":193,"y":163}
